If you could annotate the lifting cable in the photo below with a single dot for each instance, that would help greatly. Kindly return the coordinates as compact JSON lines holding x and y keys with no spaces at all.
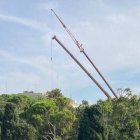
{"x":82,"y":50}
{"x":51,"y":65}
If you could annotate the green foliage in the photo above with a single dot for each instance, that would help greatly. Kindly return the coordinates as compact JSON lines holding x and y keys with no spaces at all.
{"x":22,"y":102}
{"x":92,"y":125}
{"x":124,"y":118}
{"x":53,"y":118}
{"x":24,"y":131}
{"x":113,"y":119}
{"x":14,"y":129}
{"x":38,"y":113}
{"x":54,"y":93}
{"x":8,"y":122}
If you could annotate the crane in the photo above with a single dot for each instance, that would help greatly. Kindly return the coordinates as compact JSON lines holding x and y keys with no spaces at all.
{"x":84,"y":69}
{"x":83,"y":51}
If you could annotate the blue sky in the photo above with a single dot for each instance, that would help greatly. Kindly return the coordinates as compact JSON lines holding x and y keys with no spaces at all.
{"x":109,"y":31}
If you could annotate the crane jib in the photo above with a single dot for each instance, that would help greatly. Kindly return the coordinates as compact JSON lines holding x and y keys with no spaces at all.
{"x":85,"y":54}
{"x":84,"y":69}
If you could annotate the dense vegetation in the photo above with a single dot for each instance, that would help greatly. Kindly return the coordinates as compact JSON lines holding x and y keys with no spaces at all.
{"x":54,"y":118}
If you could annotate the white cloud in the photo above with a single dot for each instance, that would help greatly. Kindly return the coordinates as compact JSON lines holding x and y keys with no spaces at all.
{"x":37,"y":63}
{"x":40,"y":63}
{"x":26,"y":22}
{"x":109,"y":36}
{"x":117,"y":18}
{"x":136,"y":90}
{"x":23,"y":81}
{"x":113,"y":44}
{"x":48,"y":5}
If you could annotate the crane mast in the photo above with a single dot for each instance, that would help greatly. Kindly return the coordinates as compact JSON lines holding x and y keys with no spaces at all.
{"x":83,"y":51}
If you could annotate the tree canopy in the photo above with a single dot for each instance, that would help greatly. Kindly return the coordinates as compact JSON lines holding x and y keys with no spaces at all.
{"x":53,"y":117}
